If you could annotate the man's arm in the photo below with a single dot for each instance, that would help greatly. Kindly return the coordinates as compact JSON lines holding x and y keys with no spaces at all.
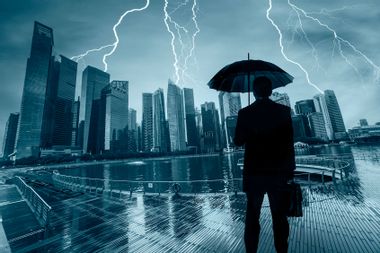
{"x":239,"y":138}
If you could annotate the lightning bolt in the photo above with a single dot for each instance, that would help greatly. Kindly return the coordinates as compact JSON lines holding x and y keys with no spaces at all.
{"x":339,"y":41}
{"x":113,"y":45}
{"x":197,"y":30}
{"x":116,"y":43}
{"x":283,"y":51}
{"x":166,"y":19}
{"x":181,"y":60}
{"x":79,"y":57}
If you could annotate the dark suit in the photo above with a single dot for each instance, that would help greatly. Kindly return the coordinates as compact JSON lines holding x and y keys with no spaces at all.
{"x":265,"y":128}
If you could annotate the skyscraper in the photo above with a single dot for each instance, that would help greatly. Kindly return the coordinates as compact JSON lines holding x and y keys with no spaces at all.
{"x":75,"y":123}
{"x":176,"y":118}
{"x":191,"y":128}
{"x":327,"y":103}
{"x":34,"y":93}
{"x":230,"y":104}
{"x":159,"y":122}
{"x":301,"y":127}
{"x":10,"y":134}
{"x":336,"y":117}
{"x":93,"y":81}
{"x":321,"y":106}
{"x":305,"y":107}
{"x":317,"y":125}
{"x":63,"y":102}
{"x":114,"y":116}
{"x":147,"y":122}
{"x":281,"y":98}
{"x":132,"y":130}
{"x":211,"y":128}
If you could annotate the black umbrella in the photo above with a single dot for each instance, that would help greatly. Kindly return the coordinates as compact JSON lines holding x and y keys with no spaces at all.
{"x":236,"y":76}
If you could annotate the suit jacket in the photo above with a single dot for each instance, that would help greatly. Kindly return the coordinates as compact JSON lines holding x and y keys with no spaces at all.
{"x":265,"y":128}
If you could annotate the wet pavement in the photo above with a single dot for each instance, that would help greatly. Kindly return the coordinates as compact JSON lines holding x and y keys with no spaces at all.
{"x":80,"y":222}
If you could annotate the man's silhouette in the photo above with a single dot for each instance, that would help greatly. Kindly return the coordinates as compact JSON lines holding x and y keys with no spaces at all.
{"x":265,"y":128}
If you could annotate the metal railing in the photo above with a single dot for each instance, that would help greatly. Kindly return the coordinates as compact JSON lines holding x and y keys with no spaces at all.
{"x":311,"y":171}
{"x":40,"y":208}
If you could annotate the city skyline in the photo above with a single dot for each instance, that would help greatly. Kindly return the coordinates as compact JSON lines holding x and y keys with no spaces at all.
{"x":124,"y":66}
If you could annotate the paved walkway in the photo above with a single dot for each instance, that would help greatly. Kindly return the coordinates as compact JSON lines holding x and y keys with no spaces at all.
{"x":201,"y":223}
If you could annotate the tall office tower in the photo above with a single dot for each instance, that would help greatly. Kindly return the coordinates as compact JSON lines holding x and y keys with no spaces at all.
{"x":301,"y":127}
{"x":321,"y":106}
{"x":363,"y":122}
{"x":139,"y":138}
{"x":114,"y":117}
{"x":230,"y":104}
{"x":159,"y":122}
{"x":317,"y":125}
{"x":10,"y":134}
{"x":147,"y":122}
{"x":80,"y":136}
{"x":336,"y":117}
{"x":132,"y":131}
{"x":191,"y":128}
{"x":280,"y":98}
{"x":305,"y":107}
{"x":75,"y":123}
{"x":63,"y":101}
{"x":34,"y":94}
{"x":93,"y":81}
{"x":176,"y":118}
{"x":211,"y":127}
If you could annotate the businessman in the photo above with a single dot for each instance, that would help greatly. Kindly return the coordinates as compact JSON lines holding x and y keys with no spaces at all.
{"x":265,"y":128}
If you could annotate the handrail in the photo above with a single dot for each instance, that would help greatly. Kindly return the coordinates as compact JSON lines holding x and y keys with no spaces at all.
{"x":38,"y":204}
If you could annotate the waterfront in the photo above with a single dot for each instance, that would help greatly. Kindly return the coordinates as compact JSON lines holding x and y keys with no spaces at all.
{"x":217,"y":172}
{"x":341,"y":217}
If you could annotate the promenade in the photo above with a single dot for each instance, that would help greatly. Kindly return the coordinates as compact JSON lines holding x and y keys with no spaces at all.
{"x":83,"y":222}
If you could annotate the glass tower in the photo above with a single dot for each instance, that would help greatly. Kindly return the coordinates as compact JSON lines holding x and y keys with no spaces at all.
{"x":115,"y":116}
{"x":176,"y":118}
{"x":33,"y":101}
{"x":10,"y":134}
{"x":93,"y":81}
{"x":159,"y":122}
{"x":63,"y":105}
{"x":147,"y":122}
{"x":191,"y":127}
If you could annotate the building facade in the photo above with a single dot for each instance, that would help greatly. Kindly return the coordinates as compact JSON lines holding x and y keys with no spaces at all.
{"x":159,"y":122}
{"x":10,"y":133}
{"x":191,"y":127}
{"x":176,"y":118}
{"x":93,"y":81}
{"x":114,"y":113}
{"x":33,"y":103}
{"x":317,"y":125}
{"x":147,"y":122}
{"x":132,"y":130}
{"x":336,"y":117}
{"x":280,"y":98}
{"x":210,"y":128}
{"x":63,"y":102}
{"x":230,"y":104}
{"x":305,"y":107}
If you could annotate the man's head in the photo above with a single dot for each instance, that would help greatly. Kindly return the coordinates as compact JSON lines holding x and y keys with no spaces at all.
{"x":262,"y":87}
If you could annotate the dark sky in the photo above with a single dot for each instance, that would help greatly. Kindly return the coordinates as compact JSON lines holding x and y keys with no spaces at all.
{"x":229,"y":29}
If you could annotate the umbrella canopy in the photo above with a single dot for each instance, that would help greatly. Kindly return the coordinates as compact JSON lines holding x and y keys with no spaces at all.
{"x":236,"y":76}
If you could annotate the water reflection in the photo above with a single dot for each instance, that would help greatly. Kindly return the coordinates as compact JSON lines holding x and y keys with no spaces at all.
{"x":225,"y":168}
{"x":186,"y":215}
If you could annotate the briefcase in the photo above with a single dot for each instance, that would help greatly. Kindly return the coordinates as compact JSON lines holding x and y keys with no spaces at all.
{"x":294,"y":195}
